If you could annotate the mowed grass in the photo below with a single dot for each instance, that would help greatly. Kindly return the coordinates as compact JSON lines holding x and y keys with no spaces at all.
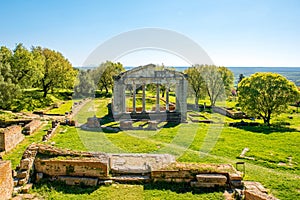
{"x":275,"y":150}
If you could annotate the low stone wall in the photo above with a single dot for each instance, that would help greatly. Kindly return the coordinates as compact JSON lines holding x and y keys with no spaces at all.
{"x":229,"y":113}
{"x":187,"y":172}
{"x":31,"y":127}
{"x":10,"y":137}
{"x":6,"y":181}
{"x":51,"y":131}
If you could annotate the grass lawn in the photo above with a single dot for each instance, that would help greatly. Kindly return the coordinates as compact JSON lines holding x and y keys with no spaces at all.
{"x":275,"y":150}
{"x":62,"y":109}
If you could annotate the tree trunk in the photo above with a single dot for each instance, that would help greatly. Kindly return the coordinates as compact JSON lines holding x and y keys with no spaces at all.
{"x":106,"y":90}
{"x":196,"y":102}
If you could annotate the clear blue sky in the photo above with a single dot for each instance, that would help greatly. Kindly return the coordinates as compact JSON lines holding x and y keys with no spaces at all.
{"x":232,"y":32}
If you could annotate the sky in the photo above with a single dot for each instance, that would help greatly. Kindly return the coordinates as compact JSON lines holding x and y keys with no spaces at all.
{"x":232,"y":32}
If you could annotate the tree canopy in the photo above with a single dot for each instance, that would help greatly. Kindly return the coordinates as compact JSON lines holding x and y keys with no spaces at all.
{"x":215,"y":81}
{"x":103,"y":75}
{"x":266,"y":94}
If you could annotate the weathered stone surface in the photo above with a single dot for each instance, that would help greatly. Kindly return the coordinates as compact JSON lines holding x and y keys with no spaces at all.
{"x":6,"y":180}
{"x":31,"y":127}
{"x":22,"y":181}
{"x":139,"y":163}
{"x":93,"y":122}
{"x":212,"y":178}
{"x":26,"y":188}
{"x":10,"y":137}
{"x":205,"y":185}
{"x":126,"y":125}
{"x":256,"y":191}
{"x":22,"y":174}
{"x":25,"y":164}
{"x":78,"y":180}
{"x":92,"y":167}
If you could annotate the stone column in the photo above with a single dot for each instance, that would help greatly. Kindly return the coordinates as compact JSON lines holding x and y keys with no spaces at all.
{"x":144,"y":98}
{"x":167,"y":99}
{"x":157,"y":98}
{"x":133,"y":98}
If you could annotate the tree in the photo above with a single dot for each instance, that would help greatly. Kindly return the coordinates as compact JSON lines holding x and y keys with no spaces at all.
{"x":84,"y":86}
{"x":196,"y":82}
{"x":8,"y":90}
{"x":25,"y":70}
{"x":218,"y":82}
{"x":57,"y":71}
{"x":104,"y":75}
{"x":266,"y":94}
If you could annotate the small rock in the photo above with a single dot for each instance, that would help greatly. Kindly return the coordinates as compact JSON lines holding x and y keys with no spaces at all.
{"x":22,"y":174}
{"x":38,"y":176}
{"x":26,"y":188}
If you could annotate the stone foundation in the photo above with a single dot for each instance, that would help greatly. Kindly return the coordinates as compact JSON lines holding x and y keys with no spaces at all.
{"x":255,"y":191}
{"x":6,"y":181}
{"x":10,"y":137}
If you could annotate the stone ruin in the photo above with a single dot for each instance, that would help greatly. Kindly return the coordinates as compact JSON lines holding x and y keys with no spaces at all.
{"x":10,"y":137}
{"x":76,"y":168}
{"x":141,"y":77}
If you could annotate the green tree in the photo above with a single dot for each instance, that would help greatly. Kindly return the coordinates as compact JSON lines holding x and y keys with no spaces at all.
{"x":8,"y":90}
{"x":25,"y":70}
{"x":266,"y":94}
{"x":84,"y":86}
{"x":218,"y":82}
{"x":104,"y":75}
{"x":196,"y":82}
{"x":57,"y":71}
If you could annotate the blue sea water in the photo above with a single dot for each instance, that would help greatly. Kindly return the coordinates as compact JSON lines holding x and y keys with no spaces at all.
{"x":291,"y":73}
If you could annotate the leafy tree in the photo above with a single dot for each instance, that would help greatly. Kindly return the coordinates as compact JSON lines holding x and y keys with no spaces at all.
{"x":196,"y":82}
{"x":84,"y":86}
{"x":57,"y":71}
{"x":8,"y":90}
{"x":218,"y":82}
{"x":104,"y":75}
{"x":25,"y":70}
{"x":266,"y":94}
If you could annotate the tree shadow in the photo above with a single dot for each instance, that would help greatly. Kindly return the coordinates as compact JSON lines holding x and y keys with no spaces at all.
{"x":261,"y":128}
{"x":180,"y":188}
{"x":60,"y":186}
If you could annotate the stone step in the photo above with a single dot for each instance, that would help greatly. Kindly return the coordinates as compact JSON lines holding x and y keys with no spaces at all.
{"x":131,"y":178}
{"x":212,"y":178}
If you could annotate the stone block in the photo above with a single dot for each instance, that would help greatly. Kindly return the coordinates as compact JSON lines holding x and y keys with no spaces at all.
{"x":6,"y":180}
{"x":26,"y":188}
{"x":236,"y":184}
{"x":25,"y":164}
{"x":22,"y":181}
{"x":10,"y":137}
{"x":204,"y":185}
{"x":212,"y":178}
{"x":22,"y":174}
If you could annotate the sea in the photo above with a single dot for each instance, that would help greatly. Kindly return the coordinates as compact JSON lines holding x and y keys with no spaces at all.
{"x":291,"y":73}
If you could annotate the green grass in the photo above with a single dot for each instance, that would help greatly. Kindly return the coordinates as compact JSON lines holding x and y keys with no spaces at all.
{"x":193,"y":143}
{"x":59,"y":191}
{"x":15,"y":155}
{"x":62,"y":109}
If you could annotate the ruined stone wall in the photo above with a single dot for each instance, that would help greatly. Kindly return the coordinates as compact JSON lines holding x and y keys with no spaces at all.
{"x":31,"y":127}
{"x":10,"y":137}
{"x":229,"y":113}
{"x":6,"y":181}
{"x":91,"y":167}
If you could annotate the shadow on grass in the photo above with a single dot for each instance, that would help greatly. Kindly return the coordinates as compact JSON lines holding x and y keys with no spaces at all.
{"x":60,"y":186}
{"x":180,"y":188}
{"x":268,"y":129}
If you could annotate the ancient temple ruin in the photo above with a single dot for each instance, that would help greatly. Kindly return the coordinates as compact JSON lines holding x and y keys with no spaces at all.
{"x":142,"y":76}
